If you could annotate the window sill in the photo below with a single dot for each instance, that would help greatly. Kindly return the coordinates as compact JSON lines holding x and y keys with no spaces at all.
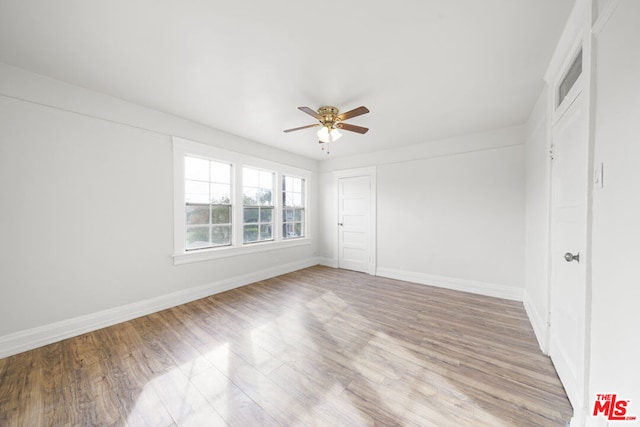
{"x":230,"y":251}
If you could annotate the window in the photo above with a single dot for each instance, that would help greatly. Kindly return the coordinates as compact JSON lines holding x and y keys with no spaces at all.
{"x":292,"y":207}
{"x":207,"y":194}
{"x":570,"y":78}
{"x":258,"y":203}
{"x":228,"y":204}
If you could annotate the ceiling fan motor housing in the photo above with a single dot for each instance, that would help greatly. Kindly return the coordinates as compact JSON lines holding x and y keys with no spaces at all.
{"x":329,"y":115}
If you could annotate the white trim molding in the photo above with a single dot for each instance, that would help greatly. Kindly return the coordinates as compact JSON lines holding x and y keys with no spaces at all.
{"x":539,"y":323}
{"x":226,"y":252}
{"x":571,"y":38}
{"x":21,"y":341}
{"x":328,"y":262}
{"x":604,"y":12}
{"x":454,"y":283}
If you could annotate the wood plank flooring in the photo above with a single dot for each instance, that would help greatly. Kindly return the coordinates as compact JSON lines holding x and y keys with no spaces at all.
{"x":317,"y":347}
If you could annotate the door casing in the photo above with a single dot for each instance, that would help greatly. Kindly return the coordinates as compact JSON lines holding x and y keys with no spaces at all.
{"x":569,"y":291}
{"x":371,"y":232}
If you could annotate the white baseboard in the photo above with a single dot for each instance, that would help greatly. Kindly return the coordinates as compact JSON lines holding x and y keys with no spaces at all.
{"x":328,"y":262}
{"x":538,"y":322}
{"x":42,"y":335}
{"x":473,"y":286}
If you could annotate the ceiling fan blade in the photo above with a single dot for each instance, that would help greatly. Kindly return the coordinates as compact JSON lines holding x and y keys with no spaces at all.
{"x":352,"y":128}
{"x":302,"y":127}
{"x":353,"y":113}
{"x":310,"y":112}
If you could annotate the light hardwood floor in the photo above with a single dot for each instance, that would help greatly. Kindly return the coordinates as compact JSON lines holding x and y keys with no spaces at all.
{"x":317,"y":347}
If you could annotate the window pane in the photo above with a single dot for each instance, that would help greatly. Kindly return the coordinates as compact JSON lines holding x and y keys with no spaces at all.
{"x":221,"y":172}
{"x":298,"y":215}
{"x":220,"y":192}
{"x":217,"y":199}
{"x":297,"y":185}
{"x":287,"y":215}
{"x":250,"y":177}
{"x":197,"y":214}
{"x":220,"y":214}
{"x":287,"y":183}
{"x":265,"y":197}
{"x":570,"y":78}
{"x":251,"y":215}
{"x":250,"y":196}
{"x":221,"y":235}
{"x":266,"y":214}
{"x":266,"y":232}
{"x":197,"y":237}
{"x":297,"y":199}
{"x":196,"y":191}
{"x":292,"y":230}
{"x":197,"y":169}
{"x":251,"y":233}
{"x":266,"y":180}
{"x":224,"y":189}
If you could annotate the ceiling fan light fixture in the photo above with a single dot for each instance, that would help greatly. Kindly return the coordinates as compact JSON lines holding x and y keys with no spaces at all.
{"x":326,"y":134}
{"x":323,"y":134}
{"x":331,"y":122}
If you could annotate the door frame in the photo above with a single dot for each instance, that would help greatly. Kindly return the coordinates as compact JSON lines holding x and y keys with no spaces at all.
{"x":579,"y":397}
{"x":577,"y":36}
{"x":371,"y":172}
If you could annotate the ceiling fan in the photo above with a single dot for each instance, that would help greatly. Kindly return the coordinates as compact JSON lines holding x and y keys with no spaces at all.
{"x":331,"y":121}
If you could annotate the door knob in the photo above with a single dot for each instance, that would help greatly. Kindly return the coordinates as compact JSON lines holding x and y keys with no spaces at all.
{"x":340,"y":224}
{"x":571,"y":257}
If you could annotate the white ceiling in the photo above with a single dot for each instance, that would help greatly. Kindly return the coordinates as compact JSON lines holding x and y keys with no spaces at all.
{"x":426,"y":69}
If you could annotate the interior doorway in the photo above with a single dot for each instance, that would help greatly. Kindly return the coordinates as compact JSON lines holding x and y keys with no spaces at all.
{"x":356,"y":220}
{"x":568,"y":290}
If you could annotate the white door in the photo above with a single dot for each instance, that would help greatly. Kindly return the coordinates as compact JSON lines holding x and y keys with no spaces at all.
{"x":567,"y":344}
{"x":354,"y":223}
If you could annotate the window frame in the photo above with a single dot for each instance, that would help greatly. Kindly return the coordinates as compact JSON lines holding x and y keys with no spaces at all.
{"x":210,"y":205}
{"x":303,"y":207}
{"x":273,"y":206}
{"x":559,"y":108}
{"x":562,"y":93}
{"x":183,"y":147}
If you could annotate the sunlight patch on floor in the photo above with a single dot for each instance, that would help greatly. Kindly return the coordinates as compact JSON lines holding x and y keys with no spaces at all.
{"x":387,"y":364}
{"x":180,"y":399}
{"x":219,"y":356}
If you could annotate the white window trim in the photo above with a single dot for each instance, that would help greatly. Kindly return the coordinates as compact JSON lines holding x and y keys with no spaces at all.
{"x":183,"y":147}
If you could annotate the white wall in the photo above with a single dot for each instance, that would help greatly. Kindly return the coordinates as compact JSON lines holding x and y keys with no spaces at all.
{"x":450,"y":212}
{"x":86,"y":218}
{"x":537,"y":187}
{"x":615,"y":323}
{"x":613,"y":339}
